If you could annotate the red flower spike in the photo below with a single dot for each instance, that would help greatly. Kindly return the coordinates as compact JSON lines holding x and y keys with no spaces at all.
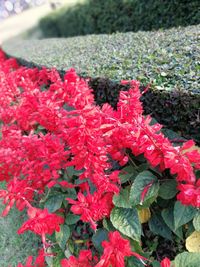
{"x":92,"y":208}
{"x":189,"y":194}
{"x":41,"y":222}
{"x":165,"y":263}
{"x":84,"y":260}
{"x":115,"y":250}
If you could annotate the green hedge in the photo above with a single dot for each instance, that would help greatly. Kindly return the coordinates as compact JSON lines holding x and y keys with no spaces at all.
{"x":169,"y":60}
{"x":179,"y":111}
{"x":100,"y":16}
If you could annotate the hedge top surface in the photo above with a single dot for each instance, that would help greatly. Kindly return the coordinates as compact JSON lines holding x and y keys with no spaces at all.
{"x":169,"y":59}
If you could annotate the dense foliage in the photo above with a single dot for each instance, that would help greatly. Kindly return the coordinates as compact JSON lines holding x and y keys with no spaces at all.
{"x":98,"y":16}
{"x":97,"y":184}
{"x":168,"y":60}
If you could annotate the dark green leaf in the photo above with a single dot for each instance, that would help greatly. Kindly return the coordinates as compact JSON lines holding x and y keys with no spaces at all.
{"x":133,"y":261}
{"x":142,"y":180}
{"x":127,"y":173}
{"x":168,"y":189}
{"x":168,"y":217}
{"x":98,"y":237}
{"x":183,"y":214}
{"x":71,"y":219}
{"x":172,"y":135}
{"x":142,"y":167}
{"x":122,"y":199}
{"x":71,"y":193}
{"x":54,"y":202}
{"x":127,"y":222}
{"x":159,"y":227}
{"x":155,"y":264}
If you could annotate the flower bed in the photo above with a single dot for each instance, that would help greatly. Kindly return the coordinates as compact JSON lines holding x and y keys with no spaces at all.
{"x":99,"y":185}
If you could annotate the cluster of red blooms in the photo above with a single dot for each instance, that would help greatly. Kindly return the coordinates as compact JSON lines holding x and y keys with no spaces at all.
{"x":80,"y":134}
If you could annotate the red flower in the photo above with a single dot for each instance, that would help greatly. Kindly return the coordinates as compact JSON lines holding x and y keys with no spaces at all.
{"x":92,"y":208}
{"x":115,"y":250}
{"x":189,"y":194}
{"x":41,"y":222}
{"x":84,"y":260}
{"x":19,"y":192}
{"x":165,"y":263}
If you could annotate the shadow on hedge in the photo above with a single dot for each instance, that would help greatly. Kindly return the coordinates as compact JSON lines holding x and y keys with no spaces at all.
{"x":99,"y":16}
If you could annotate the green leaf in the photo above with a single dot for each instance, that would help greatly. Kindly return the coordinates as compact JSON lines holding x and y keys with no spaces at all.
{"x":71,"y":193}
{"x":122,"y":199}
{"x":108,"y":225}
{"x":155,"y":264}
{"x":159,"y":227}
{"x":70,"y":172}
{"x":171,"y":134}
{"x":56,"y":260}
{"x":141,"y":181}
{"x":54,"y":202}
{"x":190,"y":229}
{"x":196,"y":222}
{"x":136,"y":246}
{"x":98,"y":237}
{"x":127,"y":173}
{"x":49,"y":261}
{"x":71,"y":219}
{"x":183,"y":214}
{"x":168,"y":217}
{"x":133,"y":261}
{"x":63,"y":236}
{"x":187,"y":259}
{"x":142,"y":167}
{"x":127,"y":222}
{"x":168,"y":189}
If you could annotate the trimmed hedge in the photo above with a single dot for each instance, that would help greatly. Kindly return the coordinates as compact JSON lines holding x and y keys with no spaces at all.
{"x":176,"y":110}
{"x":169,"y":60}
{"x":99,"y":16}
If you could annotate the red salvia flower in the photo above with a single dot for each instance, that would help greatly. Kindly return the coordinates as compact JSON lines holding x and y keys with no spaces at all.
{"x":189,"y":194}
{"x":92,"y":208}
{"x":115,"y":250}
{"x":165,"y":262}
{"x":41,"y":222}
{"x":84,"y":260}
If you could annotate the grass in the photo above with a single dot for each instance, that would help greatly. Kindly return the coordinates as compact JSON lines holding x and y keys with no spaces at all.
{"x":15,"y":248}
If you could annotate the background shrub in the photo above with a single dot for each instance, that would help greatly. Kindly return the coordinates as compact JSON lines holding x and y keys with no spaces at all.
{"x":99,"y":16}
